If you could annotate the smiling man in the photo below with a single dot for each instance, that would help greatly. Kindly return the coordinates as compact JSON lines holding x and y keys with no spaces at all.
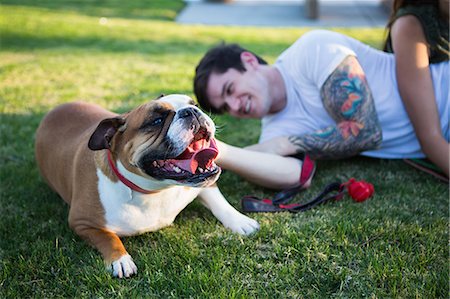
{"x":328,"y":95}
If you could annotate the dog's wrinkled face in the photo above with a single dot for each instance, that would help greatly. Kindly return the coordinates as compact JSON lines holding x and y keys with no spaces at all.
{"x":165,"y":139}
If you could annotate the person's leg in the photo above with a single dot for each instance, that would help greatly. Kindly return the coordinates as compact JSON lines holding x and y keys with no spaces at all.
{"x":268,"y":170}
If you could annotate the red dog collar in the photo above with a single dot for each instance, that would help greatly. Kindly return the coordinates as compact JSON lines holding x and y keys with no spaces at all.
{"x":123,"y":179}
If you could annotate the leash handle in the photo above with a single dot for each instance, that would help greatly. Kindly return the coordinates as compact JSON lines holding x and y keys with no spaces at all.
{"x":308,"y":170}
{"x":320,"y":199}
{"x":253,"y":204}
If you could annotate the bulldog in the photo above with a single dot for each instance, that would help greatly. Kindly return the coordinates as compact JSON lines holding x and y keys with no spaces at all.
{"x":128,"y":174}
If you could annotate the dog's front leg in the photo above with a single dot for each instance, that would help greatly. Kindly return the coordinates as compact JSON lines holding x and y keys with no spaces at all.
{"x":213,"y":199}
{"x":111,"y":248}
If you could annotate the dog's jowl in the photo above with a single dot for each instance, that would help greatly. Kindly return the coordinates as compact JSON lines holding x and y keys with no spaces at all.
{"x":132,"y":173}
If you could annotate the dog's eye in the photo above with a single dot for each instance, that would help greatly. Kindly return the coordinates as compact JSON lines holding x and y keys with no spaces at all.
{"x":157,"y":121}
{"x":152,"y":123}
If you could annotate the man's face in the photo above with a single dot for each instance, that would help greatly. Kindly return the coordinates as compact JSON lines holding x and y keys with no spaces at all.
{"x":243,"y":95}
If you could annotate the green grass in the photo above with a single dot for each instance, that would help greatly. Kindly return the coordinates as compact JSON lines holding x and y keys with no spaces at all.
{"x":393,"y":245}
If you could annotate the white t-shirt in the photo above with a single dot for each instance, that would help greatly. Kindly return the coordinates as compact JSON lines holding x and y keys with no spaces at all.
{"x":306,"y":65}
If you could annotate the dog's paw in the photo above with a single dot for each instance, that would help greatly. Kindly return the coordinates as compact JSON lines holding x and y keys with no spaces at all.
{"x":124,"y":267}
{"x":242,"y":224}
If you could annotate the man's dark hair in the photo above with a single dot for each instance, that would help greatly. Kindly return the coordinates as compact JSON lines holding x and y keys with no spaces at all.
{"x":217,"y":60}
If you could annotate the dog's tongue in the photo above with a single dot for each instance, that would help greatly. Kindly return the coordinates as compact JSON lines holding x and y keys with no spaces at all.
{"x":203,"y":157}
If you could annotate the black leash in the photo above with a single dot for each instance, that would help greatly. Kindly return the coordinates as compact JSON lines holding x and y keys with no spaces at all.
{"x":253,"y":204}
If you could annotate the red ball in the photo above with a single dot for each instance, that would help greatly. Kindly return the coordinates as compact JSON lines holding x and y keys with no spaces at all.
{"x":360,"y":190}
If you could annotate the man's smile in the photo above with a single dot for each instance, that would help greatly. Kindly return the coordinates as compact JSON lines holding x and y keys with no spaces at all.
{"x":247,"y":106}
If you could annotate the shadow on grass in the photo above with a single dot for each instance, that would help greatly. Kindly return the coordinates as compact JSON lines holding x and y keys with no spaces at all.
{"x":29,"y":208}
{"x":174,"y":46}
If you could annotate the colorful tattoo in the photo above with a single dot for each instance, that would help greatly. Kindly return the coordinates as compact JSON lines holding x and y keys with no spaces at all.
{"x":348,"y":128}
{"x":325,"y":132}
{"x":347,"y":98}
{"x":350,"y":105}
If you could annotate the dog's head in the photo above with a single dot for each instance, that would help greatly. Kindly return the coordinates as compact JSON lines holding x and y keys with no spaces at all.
{"x":167,"y":139}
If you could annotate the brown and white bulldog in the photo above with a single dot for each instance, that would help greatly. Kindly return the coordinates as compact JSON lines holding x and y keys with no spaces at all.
{"x":133,"y":173}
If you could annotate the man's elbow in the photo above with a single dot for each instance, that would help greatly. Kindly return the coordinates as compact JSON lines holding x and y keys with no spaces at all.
{"x":374,"y":138}
{"x":377,"y":138}
{"x":373,"y":141}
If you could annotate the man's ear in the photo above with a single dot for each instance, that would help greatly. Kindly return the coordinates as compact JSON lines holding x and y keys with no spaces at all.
{"x":249,"y":60}
{"x":105,"y":131}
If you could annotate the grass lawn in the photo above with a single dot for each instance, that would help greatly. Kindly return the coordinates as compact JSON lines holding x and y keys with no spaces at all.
{"x":393,"y":245}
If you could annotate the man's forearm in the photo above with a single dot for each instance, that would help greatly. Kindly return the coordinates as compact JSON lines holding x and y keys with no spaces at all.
{"x":344,"y":140}
{"x":265,"y":169}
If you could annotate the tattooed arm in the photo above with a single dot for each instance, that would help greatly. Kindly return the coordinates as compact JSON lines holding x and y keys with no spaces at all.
{"x":347,"y":98}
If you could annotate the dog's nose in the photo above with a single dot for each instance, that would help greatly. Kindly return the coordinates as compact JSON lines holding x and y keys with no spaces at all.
{"x":187,"y":112}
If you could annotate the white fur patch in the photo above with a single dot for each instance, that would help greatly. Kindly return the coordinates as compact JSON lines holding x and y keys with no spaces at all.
{"x":177,"y":100}
{"x":129,"y":213}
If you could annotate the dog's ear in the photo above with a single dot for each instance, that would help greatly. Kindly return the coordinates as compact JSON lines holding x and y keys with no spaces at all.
{"x":105,"y":131}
